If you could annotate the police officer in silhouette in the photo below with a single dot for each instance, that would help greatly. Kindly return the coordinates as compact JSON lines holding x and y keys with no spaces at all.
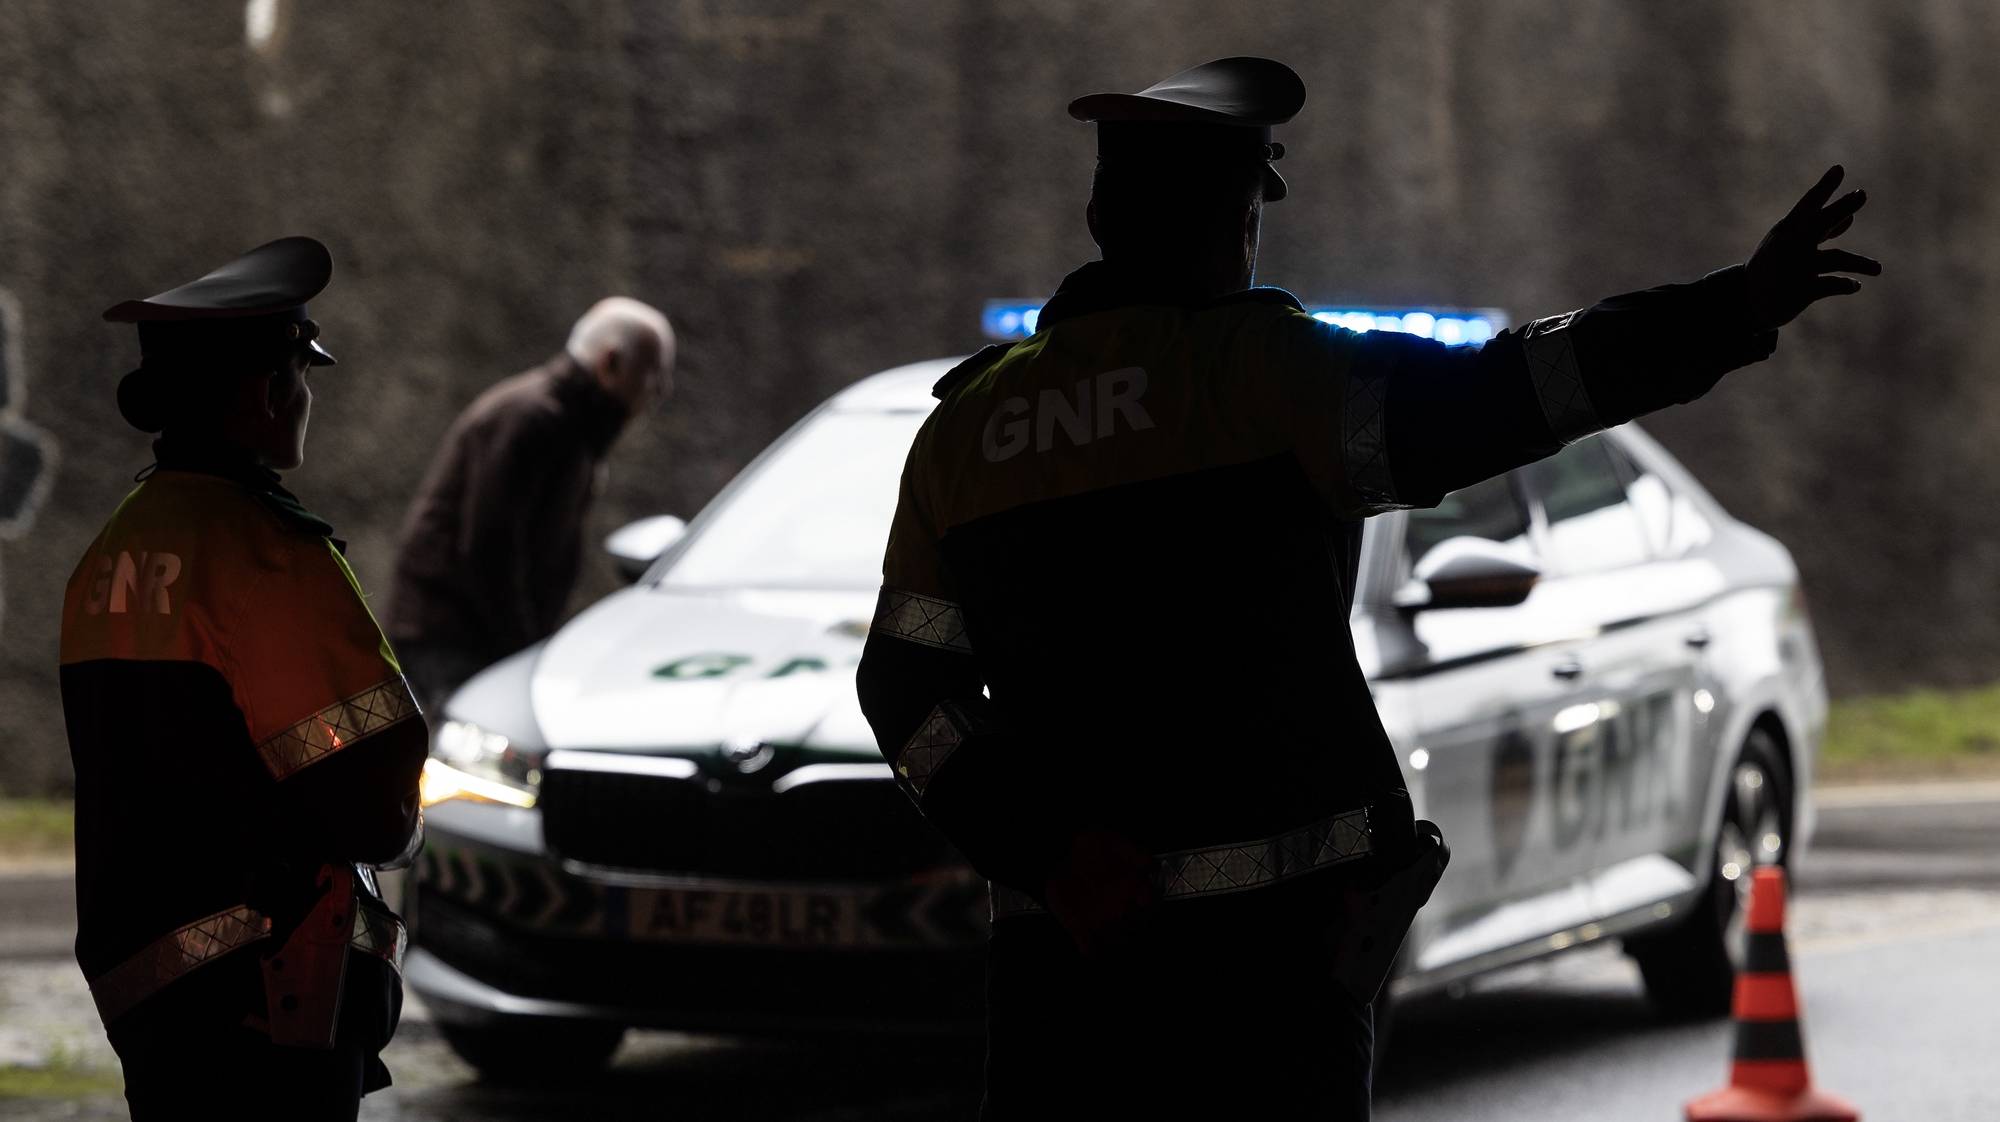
{"x":246,"y":748}
{"x":1111,"y":659}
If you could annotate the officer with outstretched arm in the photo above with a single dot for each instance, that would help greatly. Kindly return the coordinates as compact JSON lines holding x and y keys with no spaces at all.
{"x":1111,"y":660}
{"x":246,"y":748}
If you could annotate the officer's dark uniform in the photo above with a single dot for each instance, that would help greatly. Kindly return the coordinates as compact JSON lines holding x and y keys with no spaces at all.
{"x":1138,"y":532}
{"x":242,"y":738}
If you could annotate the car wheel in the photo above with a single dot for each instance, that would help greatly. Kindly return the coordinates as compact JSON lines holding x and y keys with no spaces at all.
{"x":524,"y":1051}
{"x":1690,"y":968}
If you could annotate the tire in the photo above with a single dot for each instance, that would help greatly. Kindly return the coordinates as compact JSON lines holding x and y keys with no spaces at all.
{"x":1690,"y":968}
{"x":521,"y":1051}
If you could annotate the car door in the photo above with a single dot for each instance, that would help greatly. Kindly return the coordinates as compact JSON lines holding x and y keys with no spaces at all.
{"x":1622,"y":811}
{"x":1480,"y":693}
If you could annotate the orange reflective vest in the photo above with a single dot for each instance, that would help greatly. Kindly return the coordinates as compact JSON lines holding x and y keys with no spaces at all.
{"x":237,"y":721}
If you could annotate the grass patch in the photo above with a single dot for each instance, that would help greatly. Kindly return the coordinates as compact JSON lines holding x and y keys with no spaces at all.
{"x":1919,"y":733}
{"x":61,"y":1078}
{"x":34,"y":828}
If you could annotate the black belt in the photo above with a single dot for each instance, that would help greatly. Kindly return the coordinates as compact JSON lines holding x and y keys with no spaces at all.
{"x":1223,"y":869}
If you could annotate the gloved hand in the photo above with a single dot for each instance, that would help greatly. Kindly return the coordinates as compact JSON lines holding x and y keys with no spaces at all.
{"x":1102,"y":891}
{"x":1788,"y":271}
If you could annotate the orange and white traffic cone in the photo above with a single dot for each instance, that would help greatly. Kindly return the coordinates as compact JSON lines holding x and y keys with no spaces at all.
{"x":1768,"y":1081}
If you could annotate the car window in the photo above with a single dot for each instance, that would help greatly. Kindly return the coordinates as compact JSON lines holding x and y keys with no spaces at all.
{"x":1591,"y":525}
{"x":815,"y":515}
{"x":1491,"y":510}
{"x":1673,"y":524}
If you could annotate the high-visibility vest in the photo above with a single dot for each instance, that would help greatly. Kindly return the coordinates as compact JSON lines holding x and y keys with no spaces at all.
{"x":216,"y":651}
{"x":1142,"y":526}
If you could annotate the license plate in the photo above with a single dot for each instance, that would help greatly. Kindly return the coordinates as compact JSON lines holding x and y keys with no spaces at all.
{"x":751,"y":917}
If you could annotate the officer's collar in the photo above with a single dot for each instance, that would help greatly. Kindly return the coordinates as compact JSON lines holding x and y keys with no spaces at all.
{"x":1100,"y":286}
{"x":220,"y":458}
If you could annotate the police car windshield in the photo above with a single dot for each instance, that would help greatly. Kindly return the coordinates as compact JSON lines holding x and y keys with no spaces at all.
{"x":814,"y":515}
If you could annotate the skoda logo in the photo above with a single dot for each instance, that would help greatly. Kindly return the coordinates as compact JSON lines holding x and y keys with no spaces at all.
{"x":748,"y":756}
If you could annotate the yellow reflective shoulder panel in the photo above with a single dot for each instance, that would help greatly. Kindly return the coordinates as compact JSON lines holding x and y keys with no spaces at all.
{"x":317,"y":675}
{"x":193,"y":568}
{"x":1135,"y":394}
{"x":162,"y":575}
{"x":388,"y":654}
{"x":311,"y":699}
{"x":911,"y":563}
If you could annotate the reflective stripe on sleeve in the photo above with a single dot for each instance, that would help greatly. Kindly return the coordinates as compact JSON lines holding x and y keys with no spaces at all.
{"x":338,"y":726}
{"x":933,"y":743}
{"x":1364,"y":436}
{"x":173,"y":956}
{"x":1551,"y":353}
{"x":179,"y":952}
{"x":921,"y":619}
{"x":380,"y":933}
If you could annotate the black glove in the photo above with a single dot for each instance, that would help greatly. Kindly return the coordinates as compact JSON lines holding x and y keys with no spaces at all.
{"x":1788,"y":271}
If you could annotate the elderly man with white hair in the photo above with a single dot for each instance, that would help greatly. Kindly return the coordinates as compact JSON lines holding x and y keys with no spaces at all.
{"x":491,"y":544}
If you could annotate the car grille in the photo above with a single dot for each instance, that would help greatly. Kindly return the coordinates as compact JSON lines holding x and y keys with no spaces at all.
{"x":852,"y":829}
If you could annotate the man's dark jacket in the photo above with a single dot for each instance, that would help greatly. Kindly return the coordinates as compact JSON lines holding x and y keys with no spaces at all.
{"x":491,"y":545}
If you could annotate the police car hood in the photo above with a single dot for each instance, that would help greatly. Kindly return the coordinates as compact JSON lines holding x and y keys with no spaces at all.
{"x":659,"y":669}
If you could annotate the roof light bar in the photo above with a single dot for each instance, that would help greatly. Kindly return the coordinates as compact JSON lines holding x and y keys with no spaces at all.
{"x":1017,"y":319}
{"x":1010,"y":319}
{"x":1451,"y":326}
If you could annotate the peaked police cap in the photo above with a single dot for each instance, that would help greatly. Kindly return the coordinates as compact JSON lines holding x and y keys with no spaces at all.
{"x":248,"y":315}
{"x":1219,"y":109}
{"x":259,"y":297}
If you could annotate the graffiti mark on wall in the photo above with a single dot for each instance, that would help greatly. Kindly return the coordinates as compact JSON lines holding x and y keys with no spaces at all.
{"x":27,"y":453}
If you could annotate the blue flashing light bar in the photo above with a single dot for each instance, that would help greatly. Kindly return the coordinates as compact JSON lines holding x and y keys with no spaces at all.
{"x":1455,"y":327}
{"x":1016,"y":319}
{"x":1010,"y":319}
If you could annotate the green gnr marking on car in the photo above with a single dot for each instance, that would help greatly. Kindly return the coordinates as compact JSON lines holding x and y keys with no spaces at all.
{"x":701,"y":666}
{"x":695,"y":667}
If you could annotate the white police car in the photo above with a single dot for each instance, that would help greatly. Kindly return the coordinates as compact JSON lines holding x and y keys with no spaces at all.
{"x":672,"y":814}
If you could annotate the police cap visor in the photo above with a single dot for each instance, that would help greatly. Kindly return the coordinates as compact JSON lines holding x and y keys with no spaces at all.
{"x":1230,"y":97}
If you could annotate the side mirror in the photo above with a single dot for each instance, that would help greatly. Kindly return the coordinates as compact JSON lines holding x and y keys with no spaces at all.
{"x":1468,"y":572}
{"x":636,"y":545}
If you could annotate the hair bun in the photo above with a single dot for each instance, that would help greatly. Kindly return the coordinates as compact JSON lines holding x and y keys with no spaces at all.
{"x":142,"y":400}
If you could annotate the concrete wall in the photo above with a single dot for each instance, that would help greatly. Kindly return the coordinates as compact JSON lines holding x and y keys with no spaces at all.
{"x":818,"y":190}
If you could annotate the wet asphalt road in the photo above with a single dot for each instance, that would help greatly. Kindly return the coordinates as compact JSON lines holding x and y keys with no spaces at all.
{"x":1895,"y":931}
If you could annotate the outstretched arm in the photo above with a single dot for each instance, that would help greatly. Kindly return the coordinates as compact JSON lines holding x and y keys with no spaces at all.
{"x":1419,"y":420}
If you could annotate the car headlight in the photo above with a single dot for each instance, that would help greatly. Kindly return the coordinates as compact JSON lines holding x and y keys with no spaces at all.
{"x":479,"y":765}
